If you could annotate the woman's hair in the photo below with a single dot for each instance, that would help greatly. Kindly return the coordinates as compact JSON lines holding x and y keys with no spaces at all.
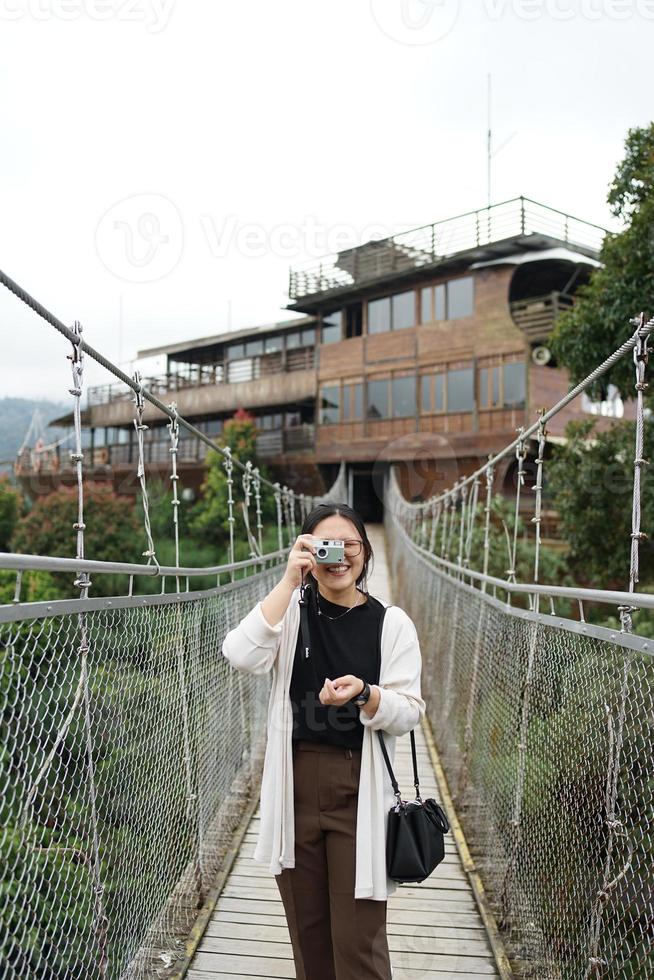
{"x":322,"y":511}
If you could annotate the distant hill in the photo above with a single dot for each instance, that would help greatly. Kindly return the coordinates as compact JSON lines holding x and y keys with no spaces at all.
{"x":15,"y":417}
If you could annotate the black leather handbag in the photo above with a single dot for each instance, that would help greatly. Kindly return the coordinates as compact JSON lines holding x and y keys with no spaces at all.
{"x":414,"y":835}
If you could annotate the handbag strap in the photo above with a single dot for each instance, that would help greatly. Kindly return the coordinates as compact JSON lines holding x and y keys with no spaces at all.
{"x":416,"y":782}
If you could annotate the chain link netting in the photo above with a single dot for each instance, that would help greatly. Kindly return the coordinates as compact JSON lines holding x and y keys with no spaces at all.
{"x":547,"y":740}
{"x":116,"y":818}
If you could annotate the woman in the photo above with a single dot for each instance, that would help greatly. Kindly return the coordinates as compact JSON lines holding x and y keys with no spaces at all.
{"x":326,"y":792}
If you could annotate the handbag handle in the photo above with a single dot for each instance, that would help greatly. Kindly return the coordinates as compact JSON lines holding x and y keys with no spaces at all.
{"x":416,"y":782}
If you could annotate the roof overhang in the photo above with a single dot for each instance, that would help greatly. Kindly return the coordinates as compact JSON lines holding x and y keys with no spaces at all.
{"x":227,"y":336}
{"x":560,"y":254}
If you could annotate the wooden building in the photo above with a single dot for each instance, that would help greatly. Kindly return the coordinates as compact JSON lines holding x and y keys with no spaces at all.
{"x":427,"y":349}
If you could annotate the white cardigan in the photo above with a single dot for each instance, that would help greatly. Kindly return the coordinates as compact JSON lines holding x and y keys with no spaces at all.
{"x":255,"y":647}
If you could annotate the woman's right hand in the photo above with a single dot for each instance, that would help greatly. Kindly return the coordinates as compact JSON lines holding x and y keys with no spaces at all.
{"x":301,"y":560}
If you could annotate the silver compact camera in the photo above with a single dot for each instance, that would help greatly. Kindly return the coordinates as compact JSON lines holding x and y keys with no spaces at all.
{"x":329,"y":552}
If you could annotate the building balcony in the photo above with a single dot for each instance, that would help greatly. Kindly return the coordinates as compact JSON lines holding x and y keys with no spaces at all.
{"x":199,"y":375}
{"x":156,"y":452}
{"x":536,"y":316}
{"x":247,"y":382}
{"x":477,"y":235}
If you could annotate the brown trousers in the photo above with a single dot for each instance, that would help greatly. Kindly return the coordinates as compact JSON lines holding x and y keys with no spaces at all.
{"x":334,"y":935}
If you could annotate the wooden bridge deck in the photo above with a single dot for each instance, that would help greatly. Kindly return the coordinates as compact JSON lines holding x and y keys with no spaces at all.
{"x":434,"y":929}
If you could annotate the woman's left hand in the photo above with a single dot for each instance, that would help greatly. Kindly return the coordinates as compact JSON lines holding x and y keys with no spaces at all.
{"x":340,"y":690}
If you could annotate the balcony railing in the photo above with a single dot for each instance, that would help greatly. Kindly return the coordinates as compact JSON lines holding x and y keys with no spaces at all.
{"x":222,"y":372}
{"x":275,"y":442}
{"x":536,"y":316}
{"x":194,"y":377}
{"x":429,"y":245}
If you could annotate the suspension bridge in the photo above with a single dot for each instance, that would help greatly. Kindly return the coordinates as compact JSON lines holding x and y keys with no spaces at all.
{"x":132,"y":751}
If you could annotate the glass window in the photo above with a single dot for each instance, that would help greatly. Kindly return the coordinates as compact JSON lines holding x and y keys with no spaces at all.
{"x":254,"y":347}
{"x":379,"y":315}
{"x":331,"y":335}
{"x":489,"y":386}
{"x":426,"y":315}
{"x":403,"y":310}
{"x":333,"y":319}
{"x":329,"y":404}
{"x":358,"y":401}
{"x":425,"y":393}
{"x":292,"y":419}
{"x":236,"y":350}
{"x":514,"y":384}
{"x":272,"y":344}
{"x":308,"y":337}
{"x":404,"y":397}
{"x":353,"y":401}
{"x":241,"y":370}
{"x":332,"y":327}
{"x":460,"y":300}
{"x":439,"y":302}
{"x":460,"y":395}
{"x":439,"y":392}
{"x":432,"y":392}
{"x":377,"y":399}
{"x":292,"y":340}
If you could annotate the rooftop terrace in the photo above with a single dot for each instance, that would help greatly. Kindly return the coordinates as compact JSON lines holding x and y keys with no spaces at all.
{"x":488,"y":233}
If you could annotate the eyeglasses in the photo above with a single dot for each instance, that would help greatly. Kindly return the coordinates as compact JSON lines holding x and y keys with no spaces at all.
{"x":352,"y":547}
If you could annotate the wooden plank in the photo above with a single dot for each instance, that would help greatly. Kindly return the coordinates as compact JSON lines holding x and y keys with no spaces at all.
{"x":250,"y":966}
{"x":413,"y":900}
{"x":410,"y":927}
{"x":445,"y":871}
{"x":254,"y":964}
{"x":240,"y":937}
{"x":398,"y":974}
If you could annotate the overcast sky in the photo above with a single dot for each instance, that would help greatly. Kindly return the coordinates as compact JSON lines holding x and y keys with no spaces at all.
{"x":164,"y":162}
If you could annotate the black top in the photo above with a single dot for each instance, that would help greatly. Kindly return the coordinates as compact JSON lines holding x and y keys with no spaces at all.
{"x":348,"y":645}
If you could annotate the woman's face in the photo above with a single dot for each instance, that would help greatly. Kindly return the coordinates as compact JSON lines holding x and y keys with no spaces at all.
{"x":340,"y":578}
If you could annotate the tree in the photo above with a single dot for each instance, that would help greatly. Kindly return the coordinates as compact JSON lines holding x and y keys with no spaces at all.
{"x":112,"y":533}
{"x":209,"y":518}
{"x":592,"y":484}
{"x":11,"y":503}
{"x":598,"y":323}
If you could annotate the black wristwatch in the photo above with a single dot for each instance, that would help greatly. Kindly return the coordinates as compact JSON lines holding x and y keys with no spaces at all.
{"x":363,"y":697}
